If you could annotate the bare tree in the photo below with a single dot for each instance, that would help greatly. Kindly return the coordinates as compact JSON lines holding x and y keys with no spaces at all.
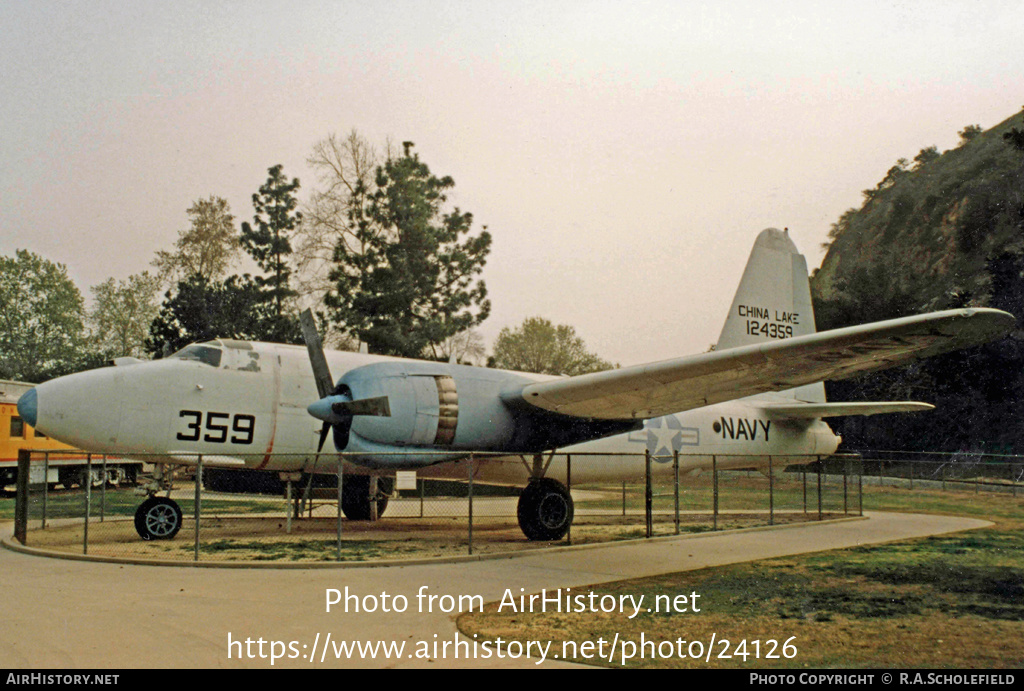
{"x":345,"y":169}
{"x":467,"y":347}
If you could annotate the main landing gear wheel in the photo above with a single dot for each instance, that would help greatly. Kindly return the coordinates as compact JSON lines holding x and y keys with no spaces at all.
{"x":355,"y":497}
{"x":158,"y":518}
{"x":545,"y":510}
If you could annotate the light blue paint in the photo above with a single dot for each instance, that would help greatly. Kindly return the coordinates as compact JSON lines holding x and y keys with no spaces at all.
{"x":28,"y":407}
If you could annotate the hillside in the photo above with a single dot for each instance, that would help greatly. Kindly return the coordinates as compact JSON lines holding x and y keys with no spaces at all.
{"x":943,"y":231}
{"x":924,"y":234}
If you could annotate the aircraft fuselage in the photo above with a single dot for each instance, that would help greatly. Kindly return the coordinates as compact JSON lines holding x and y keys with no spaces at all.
{"x":248,"y":402}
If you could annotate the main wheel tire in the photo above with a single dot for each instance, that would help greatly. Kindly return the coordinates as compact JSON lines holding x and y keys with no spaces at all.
{"x":158,"y":518}
{"x":545,"y":510}
{"x":355,"y":497}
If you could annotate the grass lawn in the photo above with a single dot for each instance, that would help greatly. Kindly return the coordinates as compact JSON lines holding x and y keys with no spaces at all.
{"x":954,"y":601}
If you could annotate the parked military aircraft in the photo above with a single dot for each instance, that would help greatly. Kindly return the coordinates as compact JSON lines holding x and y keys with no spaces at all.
{"x":248,"y":404}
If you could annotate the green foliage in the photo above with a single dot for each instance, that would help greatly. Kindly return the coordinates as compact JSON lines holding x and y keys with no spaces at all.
{"x":539,"y":346}
{"x":42,"y":332}
{"x":970,"y":132}
{"x":926,"y":156}
{"x":206,"y":249}
{"x":201,"y":310}
{"x":269,"y":241}
{"x":946,"y":235}
{"x":203,"y":305}
{"x":1015,"y":138}
{"x":122,"y":314}
{"x":408,"y":279}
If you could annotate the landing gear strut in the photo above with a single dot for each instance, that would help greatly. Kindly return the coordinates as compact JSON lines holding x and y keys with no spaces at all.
{"x":545,"y":510}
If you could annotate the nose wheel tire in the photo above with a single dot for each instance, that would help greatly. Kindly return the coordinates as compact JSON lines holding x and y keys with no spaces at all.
{"x":158,"y":518}
{"x":545,"y":510}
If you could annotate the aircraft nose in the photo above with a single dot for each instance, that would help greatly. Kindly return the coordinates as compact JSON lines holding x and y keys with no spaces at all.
{"x":28,"y":407}
{"x":82,"y":410}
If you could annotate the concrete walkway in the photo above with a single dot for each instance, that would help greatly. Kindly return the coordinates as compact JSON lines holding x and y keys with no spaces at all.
{"x":73,"y":615}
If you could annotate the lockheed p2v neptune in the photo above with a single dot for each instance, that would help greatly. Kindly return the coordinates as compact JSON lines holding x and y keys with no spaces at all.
{"x":268,"y":406}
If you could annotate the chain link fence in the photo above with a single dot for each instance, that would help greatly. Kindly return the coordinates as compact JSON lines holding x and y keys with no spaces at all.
{"x":205,"y":511}
{"x":960,"y":471}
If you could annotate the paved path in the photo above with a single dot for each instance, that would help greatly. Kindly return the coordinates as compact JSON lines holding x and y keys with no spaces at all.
{"x":72,"y":614}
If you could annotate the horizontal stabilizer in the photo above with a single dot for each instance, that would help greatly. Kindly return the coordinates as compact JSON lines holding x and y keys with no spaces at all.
{"x":813,"y":411}
{"x":671,"y":386}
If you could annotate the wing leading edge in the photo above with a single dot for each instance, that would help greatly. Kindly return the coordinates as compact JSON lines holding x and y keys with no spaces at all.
{"x":813,"y":411}
{"x":672,"y":386}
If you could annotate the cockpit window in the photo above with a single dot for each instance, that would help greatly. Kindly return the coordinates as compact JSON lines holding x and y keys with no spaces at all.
{"x":200,"y":353}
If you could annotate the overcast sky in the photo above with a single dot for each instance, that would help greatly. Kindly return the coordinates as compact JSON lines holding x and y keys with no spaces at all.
{"x":623,"y":155}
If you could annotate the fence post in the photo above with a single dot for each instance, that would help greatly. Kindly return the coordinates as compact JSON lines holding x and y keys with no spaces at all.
{"x":675,"y":471}
{"x":860,"y":487}
{"x":103,"y":491}
{"x":470,"y":464}
{"x":714,"y":482}
{"x":21,"y":503}
{"x":340,"y":480}
{"x":87,"y":481}
{"x":803,"y":472}
{"x":648,"y":493}
{"x":288,"y":505}
{"x":196,"y":502}
{"x":819,"y":488}
{"x":771,"y":493}
{"x":46,"y":484}
{"x":846,"y":473}
{"x":568,"y":482}
{"x":911,"y":474}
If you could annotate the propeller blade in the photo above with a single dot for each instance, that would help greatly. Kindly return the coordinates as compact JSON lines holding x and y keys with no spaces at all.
{"x":315,"y":347}
{"x":336,"y":409}
{"x":365,"y":406}
{"x":323,"y":436}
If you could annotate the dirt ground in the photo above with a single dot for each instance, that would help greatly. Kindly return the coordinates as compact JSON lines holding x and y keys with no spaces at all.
{"x":262,"y":539}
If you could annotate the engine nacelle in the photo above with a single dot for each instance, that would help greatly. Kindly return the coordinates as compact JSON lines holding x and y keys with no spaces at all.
{"x":433,"y":406}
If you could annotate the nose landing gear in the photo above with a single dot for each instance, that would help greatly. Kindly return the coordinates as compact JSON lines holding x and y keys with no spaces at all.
{"x":158,"y":518}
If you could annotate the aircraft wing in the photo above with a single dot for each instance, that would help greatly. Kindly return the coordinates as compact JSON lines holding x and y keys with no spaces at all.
{"x":813,"y":411}
{"x":672,"y":386}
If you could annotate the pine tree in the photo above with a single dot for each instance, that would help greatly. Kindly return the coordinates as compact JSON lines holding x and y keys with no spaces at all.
{"x":413,"y":282}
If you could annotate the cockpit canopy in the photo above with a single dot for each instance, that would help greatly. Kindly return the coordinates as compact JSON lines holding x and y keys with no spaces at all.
{"x":222,"y":353}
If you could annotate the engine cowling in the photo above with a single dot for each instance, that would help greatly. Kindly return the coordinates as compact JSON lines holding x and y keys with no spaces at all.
{"x":434,"y":407}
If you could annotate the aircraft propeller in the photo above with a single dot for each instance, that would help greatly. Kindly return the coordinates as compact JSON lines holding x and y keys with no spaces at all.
{"x":335,"y":407}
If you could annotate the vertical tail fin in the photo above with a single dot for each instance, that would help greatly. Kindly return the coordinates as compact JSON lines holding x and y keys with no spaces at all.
{"x":773,"y":302}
